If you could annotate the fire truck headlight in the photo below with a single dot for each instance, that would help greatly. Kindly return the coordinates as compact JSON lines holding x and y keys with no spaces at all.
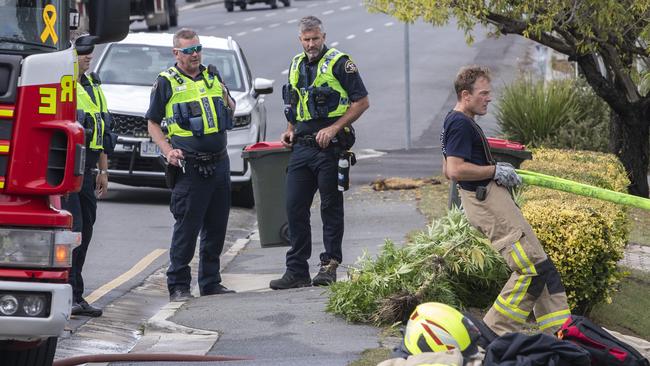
{"x":33,"y":305}
{"x":8,"y":305}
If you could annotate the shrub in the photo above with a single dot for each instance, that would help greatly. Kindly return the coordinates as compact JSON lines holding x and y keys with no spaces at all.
{"x":564,"y":114}
{"x":449,"y":262}
{"x":584,"y":237}
{"x":530,"y":112}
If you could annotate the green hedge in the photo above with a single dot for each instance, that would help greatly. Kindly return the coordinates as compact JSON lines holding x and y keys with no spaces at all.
{"x":584,"y":237}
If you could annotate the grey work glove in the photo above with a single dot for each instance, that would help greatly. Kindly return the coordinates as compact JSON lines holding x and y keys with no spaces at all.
{"x":505,"y":175}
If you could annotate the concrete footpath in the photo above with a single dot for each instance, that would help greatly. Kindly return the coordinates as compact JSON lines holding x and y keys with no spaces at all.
{"x":291,"y":327}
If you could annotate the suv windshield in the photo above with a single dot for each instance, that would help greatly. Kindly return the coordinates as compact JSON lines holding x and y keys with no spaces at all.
{"x":27,"y":25}
{"x":129,"y":64}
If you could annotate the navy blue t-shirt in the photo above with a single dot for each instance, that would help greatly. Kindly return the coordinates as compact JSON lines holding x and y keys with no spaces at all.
{"x":460,"y":139}
{"x":345,"y":71}
{"x":160,"y":95}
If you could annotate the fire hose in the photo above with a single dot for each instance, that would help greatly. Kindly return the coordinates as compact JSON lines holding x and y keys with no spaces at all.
{"x":565,"y":185}
{"x":145,"y":357}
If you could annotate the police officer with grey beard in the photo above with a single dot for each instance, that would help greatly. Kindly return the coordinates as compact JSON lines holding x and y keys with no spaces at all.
{"x":324,"y":96}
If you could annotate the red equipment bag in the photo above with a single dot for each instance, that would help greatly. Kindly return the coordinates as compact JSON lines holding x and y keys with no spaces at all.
{"x":604,"y":348}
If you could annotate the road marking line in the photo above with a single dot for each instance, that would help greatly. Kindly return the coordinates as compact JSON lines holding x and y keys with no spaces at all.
{"x":274,"y":25}
{"x":270,"y":14}
{"x":256,"y":29}
{"x":350,"y":36}
{"x":389,"y":24}
{"x":328,"y":12}
{"x":241,"y":34}
{"x":210,"y":27}
{"x":126,"y":276}
{"x":292,"y":10}
{"x":311,"y":5}
{"x":230,"y":23}
{"x":369,"y":153}
{"x":334,"y":44}
{"x":284,"y":72}
{"x":249,"y":19}
{"x":332,"y":1}
{"x":292,"y":21}
{"x":347,"y":7}
{"x":368,"y":30}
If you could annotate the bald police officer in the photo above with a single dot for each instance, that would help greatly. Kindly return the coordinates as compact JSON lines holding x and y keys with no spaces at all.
{"x":195,"y":107}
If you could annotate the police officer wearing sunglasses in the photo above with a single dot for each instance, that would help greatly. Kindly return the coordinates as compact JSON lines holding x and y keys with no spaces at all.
{"x":194,"y":108}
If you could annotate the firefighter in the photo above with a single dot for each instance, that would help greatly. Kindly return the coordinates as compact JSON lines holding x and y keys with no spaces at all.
{"x":195,"y":108}
{"x":93,"y":114}
{"x":535,"y":284}
{"x":325,"y":94}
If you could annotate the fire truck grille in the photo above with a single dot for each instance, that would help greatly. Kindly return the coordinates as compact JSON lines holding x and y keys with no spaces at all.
{"x":126,"y":125}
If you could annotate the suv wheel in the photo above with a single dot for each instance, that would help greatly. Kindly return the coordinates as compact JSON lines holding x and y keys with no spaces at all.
{"x":286,"y":2}
{"x":274,"y":4}
{"x":229,"y":6}
{"x":242,"y":6}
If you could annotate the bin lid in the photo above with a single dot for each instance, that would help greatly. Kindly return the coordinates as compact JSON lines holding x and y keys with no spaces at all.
{"x":264,"y":148}
{"x":265,"y":145}
{"x":504,"y":144}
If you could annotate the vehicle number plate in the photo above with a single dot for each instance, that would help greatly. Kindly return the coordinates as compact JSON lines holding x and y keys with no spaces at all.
{"x":149,"y":149}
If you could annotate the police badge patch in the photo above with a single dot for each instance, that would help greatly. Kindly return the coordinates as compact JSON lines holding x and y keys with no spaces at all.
{"x":350,"y":67}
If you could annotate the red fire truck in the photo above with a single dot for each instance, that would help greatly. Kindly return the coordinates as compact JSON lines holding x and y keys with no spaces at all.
{"x":41,"y":158}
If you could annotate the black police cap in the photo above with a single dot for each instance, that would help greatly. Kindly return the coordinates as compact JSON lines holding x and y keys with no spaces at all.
{"x":85,"y":45}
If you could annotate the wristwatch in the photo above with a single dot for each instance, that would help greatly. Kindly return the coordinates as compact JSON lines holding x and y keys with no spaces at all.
{"x":103,"y":171}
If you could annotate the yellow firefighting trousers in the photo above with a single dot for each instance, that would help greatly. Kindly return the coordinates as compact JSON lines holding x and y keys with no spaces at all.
{"x":535,"y":284}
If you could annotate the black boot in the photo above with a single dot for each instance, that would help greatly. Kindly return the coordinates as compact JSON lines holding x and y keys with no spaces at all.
{"x":327,"y":273}
{"x":289,"y":280}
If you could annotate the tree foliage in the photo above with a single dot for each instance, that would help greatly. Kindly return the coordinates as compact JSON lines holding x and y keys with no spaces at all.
{"x":608,"y":39}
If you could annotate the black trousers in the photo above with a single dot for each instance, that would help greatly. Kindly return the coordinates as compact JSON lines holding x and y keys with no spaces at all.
{"x":83,"y":207}
{"x":311,"y":169}
{"x":200,"y":207}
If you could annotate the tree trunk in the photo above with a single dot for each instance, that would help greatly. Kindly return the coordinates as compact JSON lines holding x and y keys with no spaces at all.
{"x":629,"y":141}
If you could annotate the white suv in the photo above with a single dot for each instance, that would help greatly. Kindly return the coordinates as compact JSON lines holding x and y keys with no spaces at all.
{"x":128,"y":69}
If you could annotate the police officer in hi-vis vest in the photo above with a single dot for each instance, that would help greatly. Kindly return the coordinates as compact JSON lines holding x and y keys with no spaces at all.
{"x":325,"y":94}
{"x":195,"y":108}
{"x":535,"y":284}
{"x":93,"y":114}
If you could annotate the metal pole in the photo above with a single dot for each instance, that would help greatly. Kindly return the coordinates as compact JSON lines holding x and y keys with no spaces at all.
{"x":407,"y":84}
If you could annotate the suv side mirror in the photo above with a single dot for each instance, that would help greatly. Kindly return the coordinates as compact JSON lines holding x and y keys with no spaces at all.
{"x":109,"y":19}
{"x":262,"y":86}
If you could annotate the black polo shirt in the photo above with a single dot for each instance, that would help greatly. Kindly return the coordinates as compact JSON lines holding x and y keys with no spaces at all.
{"x":160,"y":95}
{"x":345,"y":71}
{"x":459,"y":138}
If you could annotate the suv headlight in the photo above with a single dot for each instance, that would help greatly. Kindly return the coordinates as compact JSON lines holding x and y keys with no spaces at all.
{"x":242,"y":121}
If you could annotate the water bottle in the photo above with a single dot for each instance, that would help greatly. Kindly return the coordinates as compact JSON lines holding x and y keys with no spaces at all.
{"x":344,"y":174}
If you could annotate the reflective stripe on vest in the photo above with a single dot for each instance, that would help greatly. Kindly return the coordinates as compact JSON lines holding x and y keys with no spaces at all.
{"x":324,"y":75}
{"x":186,"y":90}
{"x":95,"y":110}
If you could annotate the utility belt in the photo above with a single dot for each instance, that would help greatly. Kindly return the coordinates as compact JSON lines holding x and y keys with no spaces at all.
{"x":343,"y":141}
{"x":189,"y":115}
{"x":204,"y":163}
{"x":90,"y":124}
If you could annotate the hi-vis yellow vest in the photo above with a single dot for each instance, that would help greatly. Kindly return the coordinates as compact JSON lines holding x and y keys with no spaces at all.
{"x":95,"y":110}
{"x":186,"y":90}
{"x":324,"y":75}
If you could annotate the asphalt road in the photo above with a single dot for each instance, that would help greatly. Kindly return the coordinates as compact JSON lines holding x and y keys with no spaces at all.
{"x":132,"y":223}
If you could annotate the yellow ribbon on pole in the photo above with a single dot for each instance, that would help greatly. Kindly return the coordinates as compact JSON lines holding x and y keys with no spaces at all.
{"x":49,"y":18}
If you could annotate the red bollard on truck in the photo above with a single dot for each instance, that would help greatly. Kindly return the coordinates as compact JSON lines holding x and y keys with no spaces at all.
{"x":42,"y":154}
